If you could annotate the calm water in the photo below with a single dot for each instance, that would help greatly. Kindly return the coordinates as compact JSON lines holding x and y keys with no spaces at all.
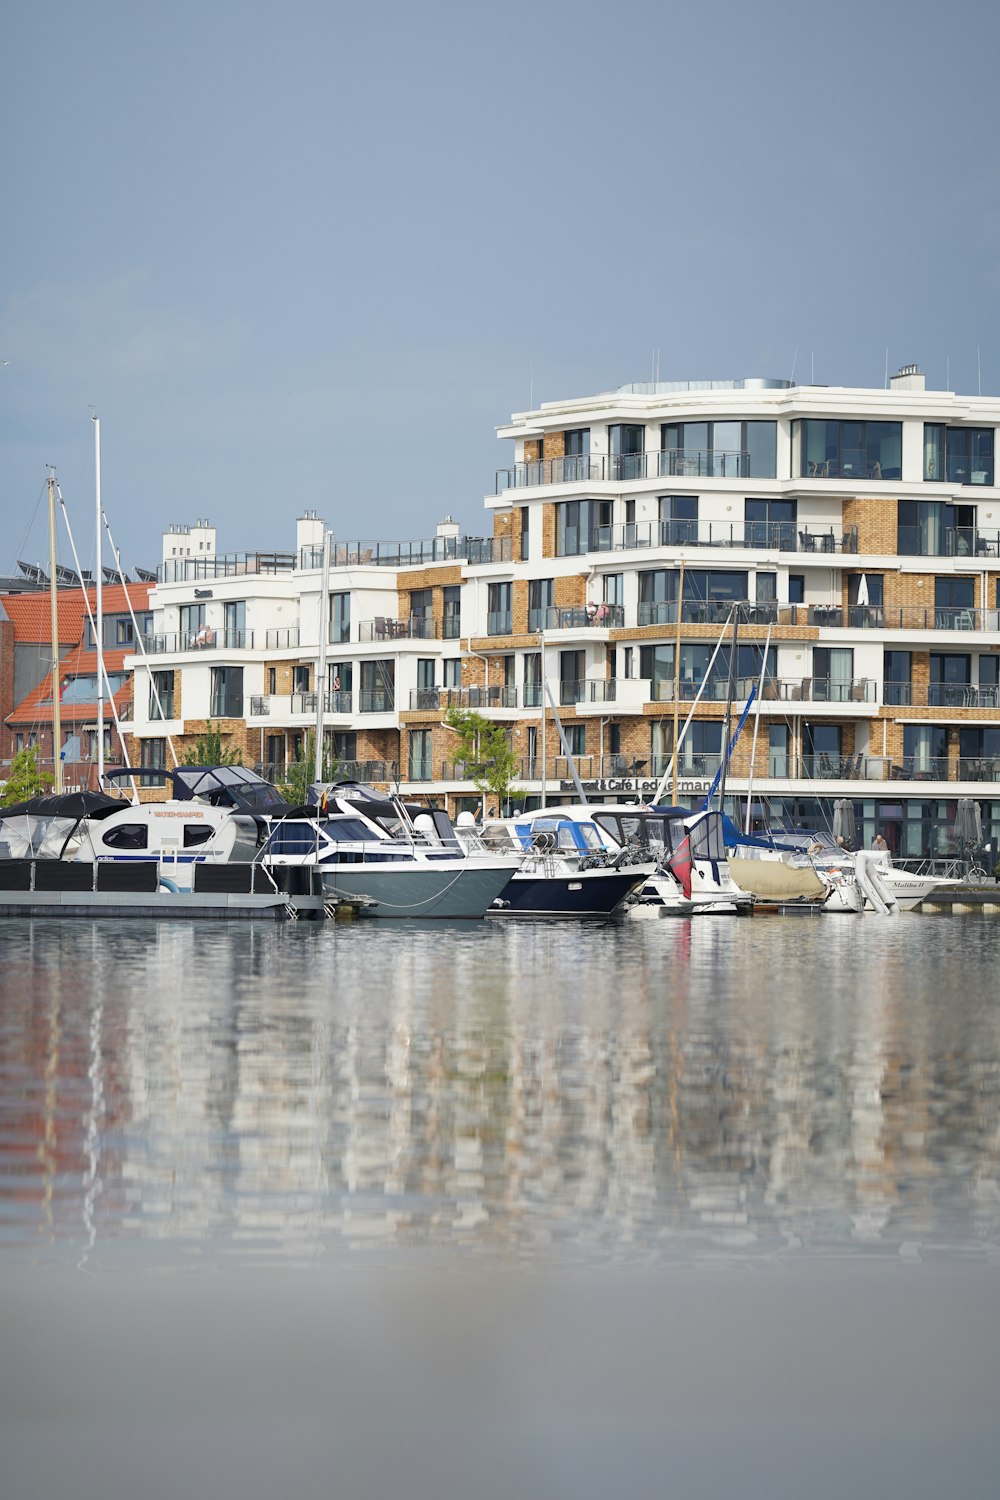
{"x":656,"y":1145}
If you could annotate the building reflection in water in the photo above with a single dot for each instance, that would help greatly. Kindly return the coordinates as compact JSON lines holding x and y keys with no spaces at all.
{"x":667,"y":1089}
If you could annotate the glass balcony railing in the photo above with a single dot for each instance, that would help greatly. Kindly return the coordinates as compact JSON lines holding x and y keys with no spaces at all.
{"x":378,"y":701}
{"x":414,"y":628}
{"x":440,"y":699}
{"x":286,"y":639}
{"x":499,"y":622}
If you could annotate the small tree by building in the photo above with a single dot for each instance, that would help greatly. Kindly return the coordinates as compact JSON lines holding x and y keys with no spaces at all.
{"x":300,"y":773}
{"x":490,"y":762}
{"x":208,"y":750}
{"x":25,"y":778}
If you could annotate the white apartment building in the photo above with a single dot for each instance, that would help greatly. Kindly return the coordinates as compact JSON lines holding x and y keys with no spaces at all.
{"x":848,"y":539}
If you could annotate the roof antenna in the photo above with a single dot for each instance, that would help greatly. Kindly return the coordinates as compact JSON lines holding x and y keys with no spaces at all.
{"x":979,"y":370}
{"x":812,"y":366}
{"x":886,"y":386}
{"x":531,"y":384}
{"x":791,"y":378}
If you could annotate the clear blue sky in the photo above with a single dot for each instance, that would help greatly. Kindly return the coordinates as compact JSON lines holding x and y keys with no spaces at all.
{"x":306,"y":254}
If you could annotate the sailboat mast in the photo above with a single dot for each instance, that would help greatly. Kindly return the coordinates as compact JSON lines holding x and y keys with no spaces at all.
{"x":57,"y":765}
{"x":324,"y":636}
{"x":99,"y":573}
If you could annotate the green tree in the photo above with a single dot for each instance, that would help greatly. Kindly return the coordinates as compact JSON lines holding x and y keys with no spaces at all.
{"x":300,"y":773}
{"x":489,"y":761}
{"x":208,"y":750}
{"x":25,"y":778}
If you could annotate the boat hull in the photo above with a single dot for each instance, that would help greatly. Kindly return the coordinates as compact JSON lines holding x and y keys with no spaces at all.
{"x":593,"y":896}
{"x":437,"y":892}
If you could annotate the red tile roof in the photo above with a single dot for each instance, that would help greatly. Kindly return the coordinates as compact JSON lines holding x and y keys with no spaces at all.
{"x":32,"y":613}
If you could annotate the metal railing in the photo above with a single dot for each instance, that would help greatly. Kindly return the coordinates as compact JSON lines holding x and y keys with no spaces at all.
{"x":672,"y":463}
{"x":437,"y":549}
{"x":414,"y":628}
{"x":286,"y":639}
{"x":440,"y":699}
{"x":260,"y":707}
{"x":205,"y":638}
{"x":191,"y":569}
{"x":578,"y":617}
{"x":775,"y":690}
{"x":377,"y":702}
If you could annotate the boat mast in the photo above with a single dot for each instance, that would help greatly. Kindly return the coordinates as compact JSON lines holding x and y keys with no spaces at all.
{"x":99,"y":574}
{"x":324,"y":636}
{"x":57,"y":765}
{"x":677,"y":678}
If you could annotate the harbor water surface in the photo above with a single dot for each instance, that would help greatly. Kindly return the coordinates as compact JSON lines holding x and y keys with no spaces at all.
{"x":663,"y":1207}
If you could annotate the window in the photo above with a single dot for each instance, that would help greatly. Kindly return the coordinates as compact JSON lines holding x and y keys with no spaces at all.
{"x":833,"y":673}
{"x":896,"y":676}
{"x":954,"y":603}
{"x":614,"y":589}
{"x":192,"y":620}
{"x":378,"y":687}
{"x":723,"y":450}
{"x":499,"y":620}
{"x":124,"y":630}
{"x":153,"y":757}
{"x":422,"y":614}
{"x":197,"y":833}
{"x":272,"y":680}
{"x":532,"y":679}
{"x":345,"y":745}
{"x":576,"y":739}
{"x":576,"y":463}
{"x":426,"y":666}
{"x":959,"y":455}
{"x":161,"y":695}
{"x":227,"y":693}
{"x":678,"y":519}
{"x":770,"y":523}
{"x":821,"y":749}
{"x":847,"y":450}
{"x":583,"y":526}
{"x":452,"y":624}
{"x":234,"y":620}
{"x":340,"y":618}
{"x":796,"y":588}
{"x":339,"y":684}
{"x":950,"y":679}
{"x":925,"y":749}
{"x":525,"y":514}
{"x":452,"y":670}
{"x":540,"y":601}
{"x":421,"y":766}
{"x":571,"y":670}
{"x":932,"y":528}
{"x":127,"y":836}
{"x":657,"y":663}
{"x":767,"y":588}
{"x":777,"y":750}
{"x":626,"y":444}
{"x":300,"y":679}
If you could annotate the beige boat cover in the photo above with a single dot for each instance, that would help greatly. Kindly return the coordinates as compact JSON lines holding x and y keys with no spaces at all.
{"x":772,"y":881}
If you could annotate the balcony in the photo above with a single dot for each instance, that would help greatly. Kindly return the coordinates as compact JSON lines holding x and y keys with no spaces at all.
{"x":260,"y":708}
{"x":571,"y":469}
{"x":378,"y":701}
{"x":624,"y":468}
{"x":338,"y":702}
{"x":437,"y":549}
{"x":282,"y":640}
{"x":414,"y":628}
{"x":205,"y":638}
{"x":193,"y":569}
{"x":579,"y":617}
{"x":499,"y":622}
{"x":774,"y":536}
{"x":947,"y":541}
{"x":775,"y":690}
{"x":439,"y":700}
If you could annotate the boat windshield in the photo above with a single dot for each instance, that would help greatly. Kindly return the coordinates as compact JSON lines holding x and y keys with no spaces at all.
{"x":706,"y":837}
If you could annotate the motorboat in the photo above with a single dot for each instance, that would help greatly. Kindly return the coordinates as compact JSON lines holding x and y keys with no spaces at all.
{"x":400,"y":860}
{"x":684,"y":851}
{"x":855,"y":882}
{"x":567,"y":867}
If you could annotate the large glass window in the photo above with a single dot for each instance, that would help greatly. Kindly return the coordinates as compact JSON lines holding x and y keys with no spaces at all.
{"x":161,"y":695}
{"x":234,"y":620}
{"x":541,"y":596}
{"x":227,"y":693}
{"x":571,"y":673}
{"x":626,"y":442}
{"x":770,"y":523}
{"x":378,"y":686}
{"x":722,"y":450}
{"x":499,"y":619}
{"x":847,"y":450}
{"x":192,"y":620}
{"x":896,"y":674}
{"x":950,"y":679}
{"x":833,"y":673}
{"x":532,"y":679}
{"x":583,"y":526}
{"x":340,"y":618}
{"x":421,"y":764}
{"x":933,"y":528}
{"x":925,"y":750}
{"x":452,"y":611}
{"x":959,"y":455}
{"x":576,"y":463}
{"x":678,"y":520}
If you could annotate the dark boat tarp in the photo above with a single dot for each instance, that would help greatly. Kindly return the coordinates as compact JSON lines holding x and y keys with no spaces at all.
{"x":65,"y":805}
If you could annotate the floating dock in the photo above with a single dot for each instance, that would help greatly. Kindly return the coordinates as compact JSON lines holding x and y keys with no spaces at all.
{"x":137,"y":888}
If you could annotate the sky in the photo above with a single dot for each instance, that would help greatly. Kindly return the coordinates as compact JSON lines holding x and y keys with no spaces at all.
{"x":310,"y":255}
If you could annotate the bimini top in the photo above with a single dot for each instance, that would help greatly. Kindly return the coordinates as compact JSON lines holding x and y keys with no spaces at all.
{"x":221,"y":786}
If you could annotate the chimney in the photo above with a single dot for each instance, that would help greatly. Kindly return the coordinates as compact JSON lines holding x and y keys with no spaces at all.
{"x":908,"y":378}
{"x":309,"y":533}
{"x":448,"y":527}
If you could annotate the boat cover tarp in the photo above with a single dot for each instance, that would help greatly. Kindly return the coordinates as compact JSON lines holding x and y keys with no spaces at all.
{"x":770,"y":880}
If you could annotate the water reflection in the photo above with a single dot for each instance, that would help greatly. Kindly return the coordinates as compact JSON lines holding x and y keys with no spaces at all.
{"x":663,"y":1091}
